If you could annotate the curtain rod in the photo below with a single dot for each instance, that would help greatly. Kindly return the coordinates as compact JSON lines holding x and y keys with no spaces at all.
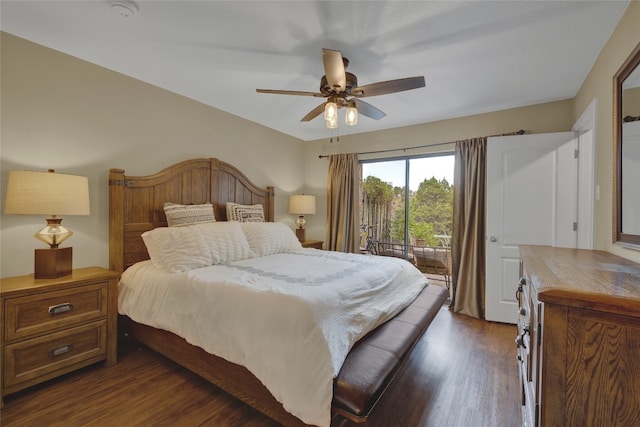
{"x":520,"y":132}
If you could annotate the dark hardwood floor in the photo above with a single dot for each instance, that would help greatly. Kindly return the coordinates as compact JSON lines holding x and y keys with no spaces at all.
{"x":462,"y":373}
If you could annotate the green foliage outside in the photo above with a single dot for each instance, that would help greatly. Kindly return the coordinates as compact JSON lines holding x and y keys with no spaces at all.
{"x":430,"y":209}
{"x":379,"y":197}
{"x":377,"y":191}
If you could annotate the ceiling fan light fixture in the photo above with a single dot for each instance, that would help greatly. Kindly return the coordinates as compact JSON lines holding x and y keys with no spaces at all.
{"x":331,"y":110}
{"x":352,"y":114}
{"x":332,"y":124}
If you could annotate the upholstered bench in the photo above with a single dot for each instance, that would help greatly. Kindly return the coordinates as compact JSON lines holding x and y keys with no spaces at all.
{"x":377,"y":357}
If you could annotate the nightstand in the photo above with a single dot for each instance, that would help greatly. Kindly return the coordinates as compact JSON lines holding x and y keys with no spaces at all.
{"x":317,"y":244}
{"x":54,"y":326}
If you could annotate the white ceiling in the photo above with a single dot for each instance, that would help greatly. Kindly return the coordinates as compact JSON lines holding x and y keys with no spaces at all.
{"x":476,"y":56}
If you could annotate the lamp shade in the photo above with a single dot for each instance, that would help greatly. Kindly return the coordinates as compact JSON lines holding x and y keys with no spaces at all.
{"x":302,"y":204}
{"x":46,"y":193}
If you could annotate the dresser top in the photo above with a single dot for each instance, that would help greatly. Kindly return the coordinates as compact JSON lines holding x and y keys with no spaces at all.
{"x":584,"y":278}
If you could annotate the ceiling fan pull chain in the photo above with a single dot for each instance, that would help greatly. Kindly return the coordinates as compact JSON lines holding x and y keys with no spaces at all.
{"x":337,"y":137}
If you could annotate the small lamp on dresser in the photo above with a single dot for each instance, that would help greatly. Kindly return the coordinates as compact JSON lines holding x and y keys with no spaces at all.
{"x":48,"y":193}
{"x":301,"y":205}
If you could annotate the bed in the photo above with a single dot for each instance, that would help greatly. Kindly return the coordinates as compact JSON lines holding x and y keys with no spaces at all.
{"x":137,"y":207}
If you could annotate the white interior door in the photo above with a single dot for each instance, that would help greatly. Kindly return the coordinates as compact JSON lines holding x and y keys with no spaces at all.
{"x":532,"y":198}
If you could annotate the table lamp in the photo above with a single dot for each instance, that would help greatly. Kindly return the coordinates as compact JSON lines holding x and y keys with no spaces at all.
{"x":301,"y":205}
{"x":48,"y":193}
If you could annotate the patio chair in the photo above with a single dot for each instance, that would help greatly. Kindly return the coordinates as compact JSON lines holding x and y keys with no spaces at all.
{"x":390,"y":249}
{"x":434,"y":260}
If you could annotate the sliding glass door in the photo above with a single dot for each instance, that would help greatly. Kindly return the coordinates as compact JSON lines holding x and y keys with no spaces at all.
{"x":417,"y":188}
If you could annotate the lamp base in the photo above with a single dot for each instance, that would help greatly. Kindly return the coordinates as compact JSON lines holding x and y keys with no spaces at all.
{"x":300,"y":234}
{"x":53,"y":263}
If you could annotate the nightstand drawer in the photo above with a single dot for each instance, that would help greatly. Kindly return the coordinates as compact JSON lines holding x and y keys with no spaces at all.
{"x":39,"y":313}
{"x":44,"y":357}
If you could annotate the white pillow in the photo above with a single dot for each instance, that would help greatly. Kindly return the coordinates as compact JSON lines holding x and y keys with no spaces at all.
{"x":178,"y":249}
{"x":183,"y":215}
{"x":244,"y":213}
{"x":266,"y":238}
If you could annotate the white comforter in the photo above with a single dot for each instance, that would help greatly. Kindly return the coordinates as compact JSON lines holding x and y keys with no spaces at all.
{"x":290,"y":318}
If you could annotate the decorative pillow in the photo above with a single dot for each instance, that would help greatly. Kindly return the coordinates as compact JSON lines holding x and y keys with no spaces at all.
{"x":178,"y":249}
{"x":266,"y":238}
{"x":244,"y":213}
{"x":183,"y":215}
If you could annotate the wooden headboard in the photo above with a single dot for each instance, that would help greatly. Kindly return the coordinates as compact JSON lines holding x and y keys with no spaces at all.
{"x":136,"y":202}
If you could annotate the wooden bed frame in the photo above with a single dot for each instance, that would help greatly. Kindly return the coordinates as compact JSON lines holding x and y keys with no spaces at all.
{"x":136,"y":205}
{"x":136,"y":202}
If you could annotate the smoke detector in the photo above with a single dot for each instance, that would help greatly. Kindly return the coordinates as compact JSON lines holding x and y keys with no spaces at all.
{"x":124,"y":8}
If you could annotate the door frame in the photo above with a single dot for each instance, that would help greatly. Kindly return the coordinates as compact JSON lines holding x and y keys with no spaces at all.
{"x":585,"y":127}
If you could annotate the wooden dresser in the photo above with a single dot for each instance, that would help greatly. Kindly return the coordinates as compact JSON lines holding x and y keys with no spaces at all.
{"x":53,"y":326}
{"x":578,"y":338}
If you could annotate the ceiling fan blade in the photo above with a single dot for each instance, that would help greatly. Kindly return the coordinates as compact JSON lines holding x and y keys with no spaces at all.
{"x":369,"y":110}
{"x":334,"y":69}
{"x":390,"y":86}
{"x":314,"y":113}
{"x":290,"y":92}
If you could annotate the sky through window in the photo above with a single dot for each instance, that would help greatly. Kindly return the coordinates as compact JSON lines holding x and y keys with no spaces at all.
{"x":392,"y":171}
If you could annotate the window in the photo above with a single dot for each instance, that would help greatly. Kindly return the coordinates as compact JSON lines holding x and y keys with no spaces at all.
{"x":427,"y":184}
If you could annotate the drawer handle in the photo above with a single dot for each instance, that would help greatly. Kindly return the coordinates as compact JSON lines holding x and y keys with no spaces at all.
{"x":60,"y":308}
{"x":60,"y":350}
{"x":520,"y":342}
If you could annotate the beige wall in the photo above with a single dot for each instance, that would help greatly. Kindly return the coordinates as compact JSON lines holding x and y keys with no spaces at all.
{"x":63,"y":113}
{"x":599,"y":85}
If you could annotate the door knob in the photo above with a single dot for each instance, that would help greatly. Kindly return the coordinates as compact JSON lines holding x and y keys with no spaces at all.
{"x":493,"y":239}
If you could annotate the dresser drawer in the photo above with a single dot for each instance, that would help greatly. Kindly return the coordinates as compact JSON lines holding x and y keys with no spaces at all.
{"x":45,"y":357}
{"x":36,"y":314}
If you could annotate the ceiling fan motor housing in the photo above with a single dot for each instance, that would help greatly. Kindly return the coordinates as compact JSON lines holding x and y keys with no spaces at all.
{"x":328,"y":90}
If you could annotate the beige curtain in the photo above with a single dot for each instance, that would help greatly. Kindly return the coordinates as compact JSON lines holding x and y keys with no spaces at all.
{"x":469,"y":225}
{"x":342,"y":203}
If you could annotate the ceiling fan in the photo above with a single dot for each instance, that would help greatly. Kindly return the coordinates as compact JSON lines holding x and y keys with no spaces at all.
{"x":342,"y":90}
